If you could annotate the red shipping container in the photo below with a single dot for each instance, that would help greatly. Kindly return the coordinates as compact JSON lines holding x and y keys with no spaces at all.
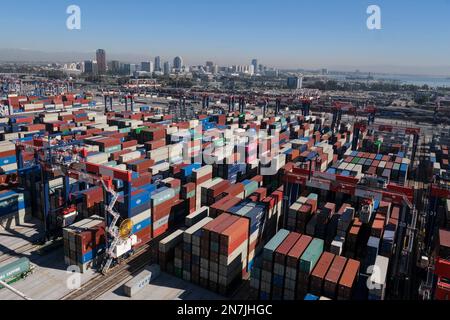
{"x":142,"y":180}
{"x":234,"y":236}
{"x":348,"y":280}
{"x":129,"y":144}
{"x":152,"y":145}
{"x":189,"y":187}
{"x":297,"y":251}
{"x":141,"y":166}
{"x":203,"y":179}
{"x":93,"y":196}
{"x":163,"y":210}
{"x":218,"y":189}
{"x":285,"y":247}
{"x":160,"y":231}
{"x":223,"y":205}
{"x":319,"y":273}
{"x":143,"y":237}
{"x":216,"y":232}
{"x":9,"y":153}
{"x":115,"y":156}
{"x":333,"y":276}
{"x":92,"y":238}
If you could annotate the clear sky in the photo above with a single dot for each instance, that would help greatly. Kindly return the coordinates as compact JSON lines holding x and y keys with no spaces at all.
{"x":282,"y":33}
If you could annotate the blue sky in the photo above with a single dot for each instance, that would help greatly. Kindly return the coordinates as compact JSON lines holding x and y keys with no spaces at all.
{"x":283,"y":33}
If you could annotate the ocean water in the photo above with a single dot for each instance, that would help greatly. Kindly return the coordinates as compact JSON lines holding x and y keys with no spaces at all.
{"x":418,"y":80}
{"x":431,"y":81}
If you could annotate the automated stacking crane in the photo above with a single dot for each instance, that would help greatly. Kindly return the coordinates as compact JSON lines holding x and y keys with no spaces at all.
{"x":67,"y":158}
{"x":338,"y":108}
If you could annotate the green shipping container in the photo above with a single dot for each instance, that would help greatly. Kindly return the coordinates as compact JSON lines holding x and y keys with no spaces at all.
{"x":311,"y":256}
{"x":14,"y":270}
{"x":139,"y":130}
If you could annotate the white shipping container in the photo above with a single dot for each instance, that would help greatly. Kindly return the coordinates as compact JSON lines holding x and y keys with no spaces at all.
{"x":378,"y":278}
{"x":130,"y":156}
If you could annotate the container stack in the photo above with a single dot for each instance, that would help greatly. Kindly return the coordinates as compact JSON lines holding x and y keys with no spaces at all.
{"x":301,"y":214}
{"x":191,"y":251}
{"x":319,"y":273}
{"x":201,"y":177}
{"x":294,"y":265}
{"x":391,"y":167}
{"x":8,"y":160}
{"x":378,"y":278}
{"x":224,"y":251}
{"x":165,"y":207}
{"x":265,"y":283}
{"x":14,"y":208}
{"x":307,"y":263}
{"x":331,"y":281}
{"x":84,"y":243}
{"x":166,"y":254}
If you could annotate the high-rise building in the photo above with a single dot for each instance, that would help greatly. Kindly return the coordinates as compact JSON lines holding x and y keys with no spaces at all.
{"x":90,"y":67}
{"x":295,"y":82}
{"x":158,"y":63}
{"x":167,"y":68}
{"x":129,"y":69}
{"x":255,"y":65}
{"x":115,"y":66}
{"x":147,"y":66}
{"x":101,"y":61}
{"x":251,"y":69}
{"x":178,"y":63}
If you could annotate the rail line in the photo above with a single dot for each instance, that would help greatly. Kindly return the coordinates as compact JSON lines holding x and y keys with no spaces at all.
{"x":12,"y":253}
{"x":101,"y":284}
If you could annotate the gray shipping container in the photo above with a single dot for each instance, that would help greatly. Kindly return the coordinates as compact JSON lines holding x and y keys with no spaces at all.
{"x":141,"y":280}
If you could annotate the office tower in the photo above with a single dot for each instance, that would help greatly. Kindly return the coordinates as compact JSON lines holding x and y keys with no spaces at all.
{"x":90,"y":67}
{"x":255,"y":65}
{"x":101,"y":61}
{"x":251,"y":69}
{"x":178,"y":63}
{"x":147,"y":66}
{"x":115,"y":66}
{"x":295,"y":82}
{"x":129,"y":69}
{"x":158,"y":63}
{"x":167,"y":68}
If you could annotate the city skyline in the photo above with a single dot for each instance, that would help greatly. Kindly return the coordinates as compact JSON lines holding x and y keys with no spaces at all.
{"x":296,"y":35}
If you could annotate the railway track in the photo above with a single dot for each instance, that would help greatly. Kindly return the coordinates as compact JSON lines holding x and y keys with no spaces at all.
{"x":18,"y":252}
{"x":101,"y":284}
